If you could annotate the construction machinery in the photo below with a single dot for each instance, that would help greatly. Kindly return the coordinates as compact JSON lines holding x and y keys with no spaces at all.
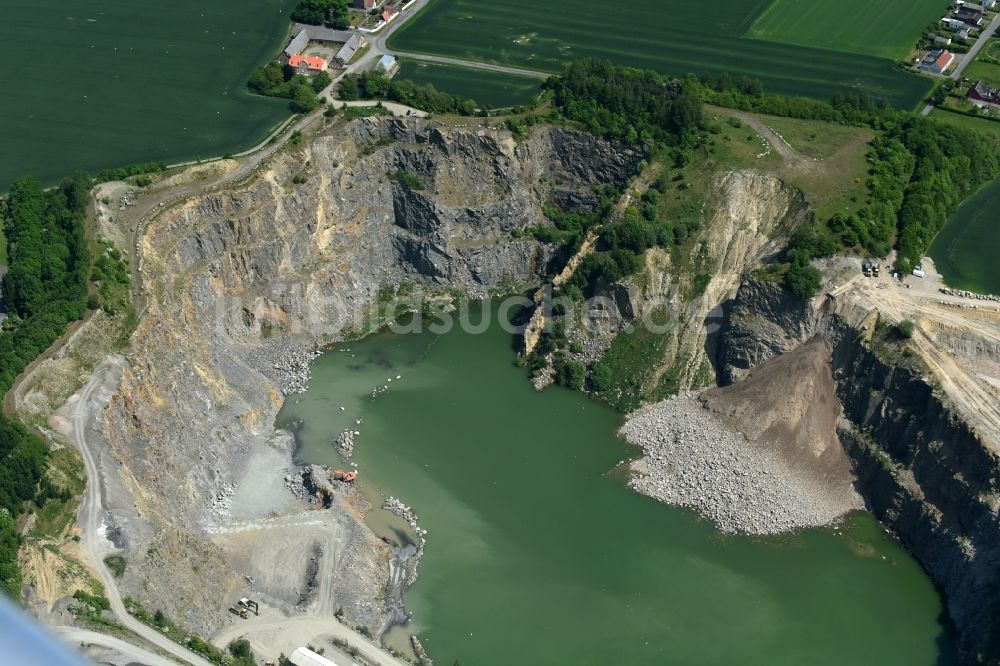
{"x":248,"y":605}
{"x":239,"y":611}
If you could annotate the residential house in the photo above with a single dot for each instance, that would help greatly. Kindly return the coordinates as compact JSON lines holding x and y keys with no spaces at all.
{"x":989,"y":4}
{"x":303,"y":34}
{"x":983,"y":93}
{"x":366,"y":5}
{"x":349,"y":49}
{"x":952,"y":24}
{"x":970,"y":17}
{"x":937,"y":61}
{"x":387,"y":65}
{"x":939,"y":39}
{"x":303,"y":64}
{"x":964,"y":33}
{"x":324,"y":35}
{"x":389,"y":13}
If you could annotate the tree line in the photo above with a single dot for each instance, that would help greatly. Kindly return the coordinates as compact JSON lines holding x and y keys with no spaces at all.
{"x":277,"y":80}
{"x":637,"y":106}
{"x":375,"y":85}
{"x":331,"y":13}
{"x":44,"y":289}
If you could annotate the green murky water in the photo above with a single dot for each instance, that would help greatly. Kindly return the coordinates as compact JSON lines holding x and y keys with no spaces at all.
{"x":537,"y":555}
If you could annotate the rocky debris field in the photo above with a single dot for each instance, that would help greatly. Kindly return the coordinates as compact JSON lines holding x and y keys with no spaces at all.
{"x":286,"y":362}
{"x":395,"y":506}
{"x":948,"y":291}
{"x":692,"y":459}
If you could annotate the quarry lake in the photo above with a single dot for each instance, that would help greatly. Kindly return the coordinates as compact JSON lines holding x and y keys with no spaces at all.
{"x":536,"y":547}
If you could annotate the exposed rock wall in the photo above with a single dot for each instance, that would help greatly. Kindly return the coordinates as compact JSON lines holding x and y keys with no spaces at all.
{"x":288,"y":259}
{"x":744,"y":223}
{"x":923,"y":470}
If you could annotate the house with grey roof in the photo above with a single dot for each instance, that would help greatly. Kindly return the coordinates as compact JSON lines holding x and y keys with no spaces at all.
{"x":349,"y":49}
{"x":303,"y":34}
{"x":298,"y":43}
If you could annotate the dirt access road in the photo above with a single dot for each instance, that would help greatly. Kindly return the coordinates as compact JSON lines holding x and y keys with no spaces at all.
{"x":82,"y":638}
{"x":958,"y":338}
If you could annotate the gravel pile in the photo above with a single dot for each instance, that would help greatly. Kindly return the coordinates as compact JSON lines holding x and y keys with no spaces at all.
{"x":286,"y":362}
{"x":692,"y":459}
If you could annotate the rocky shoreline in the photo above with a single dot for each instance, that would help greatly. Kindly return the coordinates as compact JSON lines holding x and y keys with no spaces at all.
{"x":692,"y":459}
{"x":285,"y":361}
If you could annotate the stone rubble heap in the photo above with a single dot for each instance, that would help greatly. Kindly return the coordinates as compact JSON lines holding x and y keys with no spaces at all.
{"x":345,"y":440}
{"x":948,"y":291}
{"x":295,"y":483}
{"x":692,"y":459}
{"x":222,"y":504}
{"x":286,"y":362}
{"x":395,"y":506}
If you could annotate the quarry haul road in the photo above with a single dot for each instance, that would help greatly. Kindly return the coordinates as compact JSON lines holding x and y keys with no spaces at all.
{"x":83,"y":637}
{"x":91,"y":509}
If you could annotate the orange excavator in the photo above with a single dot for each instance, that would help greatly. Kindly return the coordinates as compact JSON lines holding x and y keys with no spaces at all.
{"x":341,"y":475}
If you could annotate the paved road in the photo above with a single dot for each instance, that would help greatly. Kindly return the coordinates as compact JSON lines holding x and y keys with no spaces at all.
{"x":82,"y":637}
{"x":104,"y":376}
{"x":976,"y":48}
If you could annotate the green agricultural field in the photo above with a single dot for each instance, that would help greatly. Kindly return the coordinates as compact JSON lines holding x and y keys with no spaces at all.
{"x":493,"y":89}
{"x":965,"y":120}
{"x":885,"y":28}
{"x":965,"y":250}
{"x":674,"y":36}
{"x":102,"y":83}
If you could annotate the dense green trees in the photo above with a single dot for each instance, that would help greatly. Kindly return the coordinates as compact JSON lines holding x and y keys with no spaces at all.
{"x":121,"y":173}
{"x":45,"y":289}
{"x":332,"y":13}
{"x":274,"y":80}
{"x":632,"y":105}
{"x":374,"y":85}
{"x":920,"y":171}
{"x":951,"y":163}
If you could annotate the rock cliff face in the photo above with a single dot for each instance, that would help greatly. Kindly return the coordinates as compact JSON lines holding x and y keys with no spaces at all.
{"x":744,"y":224}
{"x":924,"y":471}
{"x":240,"y":279}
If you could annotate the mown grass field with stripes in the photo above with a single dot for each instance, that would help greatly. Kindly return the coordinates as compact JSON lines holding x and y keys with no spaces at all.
{"x":673,"y":36}
{"x":492,"y":89}
{"x":102,"y":83}
{"x":885,"y":28}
